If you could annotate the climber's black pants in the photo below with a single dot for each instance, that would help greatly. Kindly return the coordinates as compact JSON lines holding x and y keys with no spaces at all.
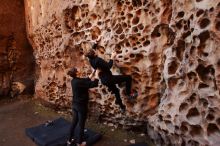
{"x":79,"y":118}
{"x":111,"y":82}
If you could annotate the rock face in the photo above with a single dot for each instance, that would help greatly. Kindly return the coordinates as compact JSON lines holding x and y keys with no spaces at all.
{"x":16,"y":54}
{"x":171,"y":49}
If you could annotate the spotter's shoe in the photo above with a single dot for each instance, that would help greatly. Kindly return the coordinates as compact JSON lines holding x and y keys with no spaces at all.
{"x":123,"y":109}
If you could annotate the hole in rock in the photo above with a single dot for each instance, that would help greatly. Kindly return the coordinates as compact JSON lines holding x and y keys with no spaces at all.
{"x":104,"y":91}
{"x":206,"y":54}
{"x":203,"y":102}
{"x":213,"y":130}
{"x":180,"y":49}
{"x":177,"y":128}
{"x":135,"y":29}
{"x":164,"y":131}
{"x":124,"y":25}
{"x":218,"y":15}
{"x":136,"y":3}
{"x":202,"y":85}
{"x":172,"y":67}
{"x":204,"y":36}
{"x":84,"y":5}
{"x":172,"y":82}
{"x":160,"y":117}
{"x":183,"y":106}
{"x":140,"y":26}
{"x":146,"y":43}
{"x":88,"y":25}
{"x":135,"y":48}
{"x":135,"y":20}
{"x":109,"y":30}
{"x":191,"y":17}
{"x":186,"y":27}
{"x":192,"y":98}
{"x":120,"y":56}
{"x":157,"y":10}
{"x":191,"y":75}
{"x":179,"y":24}
{"x":128,"y":44}
{"x":167,"y":122}
{"x":203,"y":71}
{"x":192,"y":49}
{"x":168,"y":116}
{"x":196,"y":130}
{"x":138,"y":12}
{"x":132,"y":55}
{"x":210,"y":117}
{"x":180,"y":14}
{"x":119,"y":30}
{"x":204,"y":23}
{"x":126,"y":58}
{"x":130,"y":8}
{"x":99,"y":23}
{"x":186,"y":34}
{"x":58,"y":55}
{"x":94,"y":16}
{"x":193,"y":115}
{"x":139,"y":57}
{"x":211,"y":9}
{"x":183,"y":143}
{"x":193,"y":143}
{"x":123,"y":18}
{"x":199,"y":12}
{"x":156,"y":31}
{"x":184,"y":128}
{"x":122,"y":36}
{"x":129,"y":15}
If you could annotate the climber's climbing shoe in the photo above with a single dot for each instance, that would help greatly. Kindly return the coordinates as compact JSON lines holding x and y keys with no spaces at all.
{"x":133,"y":95}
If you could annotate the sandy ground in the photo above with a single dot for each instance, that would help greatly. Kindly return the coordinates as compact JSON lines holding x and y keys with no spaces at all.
{"x":16,"y":115}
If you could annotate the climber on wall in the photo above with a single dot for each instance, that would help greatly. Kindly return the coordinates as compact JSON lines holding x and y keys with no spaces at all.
{"x":80,"y":87}
{"x":107,"y":78}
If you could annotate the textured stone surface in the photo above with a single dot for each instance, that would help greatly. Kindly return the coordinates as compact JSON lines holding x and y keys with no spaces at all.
{"x":171,"y":49}
{"x":16,"y":55}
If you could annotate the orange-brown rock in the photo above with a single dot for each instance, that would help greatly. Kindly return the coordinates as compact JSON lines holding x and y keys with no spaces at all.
{"x":171,"y":49}
{"x":16,"y":54}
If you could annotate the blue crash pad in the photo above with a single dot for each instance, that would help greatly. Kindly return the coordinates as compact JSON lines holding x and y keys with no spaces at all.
{"x":55,"y":133}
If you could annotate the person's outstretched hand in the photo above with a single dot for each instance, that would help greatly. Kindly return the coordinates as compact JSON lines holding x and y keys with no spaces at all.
{"x":113,"y":55}
{"x":92,"y":74}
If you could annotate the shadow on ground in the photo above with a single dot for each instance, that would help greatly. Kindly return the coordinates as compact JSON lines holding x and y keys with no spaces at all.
{"x":16,"y":115}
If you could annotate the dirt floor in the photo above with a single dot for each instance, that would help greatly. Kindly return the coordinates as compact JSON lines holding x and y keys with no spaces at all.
{"x":17,"y":114}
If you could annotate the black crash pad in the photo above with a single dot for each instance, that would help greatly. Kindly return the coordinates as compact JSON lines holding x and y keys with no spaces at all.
{"x":139,"y":144}
{"x":55,"y":133}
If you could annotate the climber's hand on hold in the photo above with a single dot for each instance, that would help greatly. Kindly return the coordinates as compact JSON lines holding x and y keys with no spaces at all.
{"x":97,"y":73}
{"x":113,"y":55}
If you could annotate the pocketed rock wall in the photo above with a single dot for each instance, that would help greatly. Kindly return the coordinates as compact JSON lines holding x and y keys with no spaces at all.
{"x":16,"y":54}
{"x":171,"y":49}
